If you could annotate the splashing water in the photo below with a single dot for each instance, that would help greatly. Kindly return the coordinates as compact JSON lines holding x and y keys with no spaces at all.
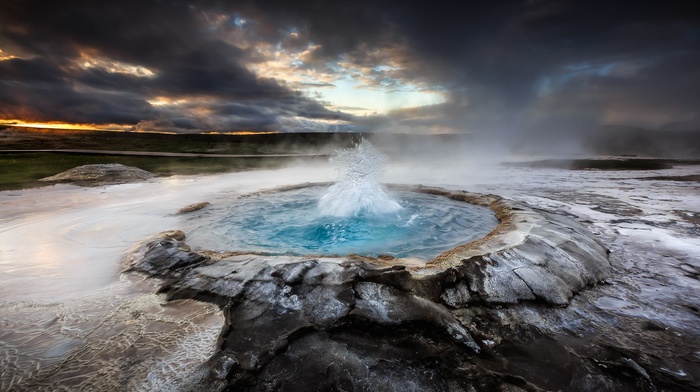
{"x":357,"y":191}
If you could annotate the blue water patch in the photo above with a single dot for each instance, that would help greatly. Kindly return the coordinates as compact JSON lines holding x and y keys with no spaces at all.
{"x":289,"y":222}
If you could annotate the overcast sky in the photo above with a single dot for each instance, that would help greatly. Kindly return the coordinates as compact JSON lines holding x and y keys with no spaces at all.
{"x":489,"y":67}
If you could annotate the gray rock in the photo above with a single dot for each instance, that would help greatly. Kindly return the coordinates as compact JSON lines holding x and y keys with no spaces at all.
{"x":165,"y":255}
{"x":357,"y":323}
{"x":193,"y":207}
{"x":100,"y":174}
{"x":531,"y":255}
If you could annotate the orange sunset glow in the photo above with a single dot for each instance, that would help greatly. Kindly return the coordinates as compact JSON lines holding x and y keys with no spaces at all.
{"x":59,"y":126}
{"x":67,"y":126}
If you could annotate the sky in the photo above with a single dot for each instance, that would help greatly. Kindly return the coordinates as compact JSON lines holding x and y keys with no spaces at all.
{"x":507,"y":68}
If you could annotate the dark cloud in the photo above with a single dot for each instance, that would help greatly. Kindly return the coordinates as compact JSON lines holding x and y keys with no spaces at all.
{"x":168,"y":39}
{"x":512,"y":66}
{"x":38,"y":89}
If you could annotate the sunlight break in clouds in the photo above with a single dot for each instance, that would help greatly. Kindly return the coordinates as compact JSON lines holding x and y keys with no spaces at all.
{"x":346,"y":83}
{"x":6,"y":56}
{"x":87,"y":61}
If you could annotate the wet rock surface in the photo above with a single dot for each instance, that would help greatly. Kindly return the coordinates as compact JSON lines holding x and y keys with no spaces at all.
{"x":193,"y":207}
{"x":462,"y":323}
{"x":531,"y":255}
{"x":100,"y":174}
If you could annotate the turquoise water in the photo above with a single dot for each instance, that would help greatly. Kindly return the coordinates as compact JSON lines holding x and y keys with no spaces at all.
{"x":290,"y":222}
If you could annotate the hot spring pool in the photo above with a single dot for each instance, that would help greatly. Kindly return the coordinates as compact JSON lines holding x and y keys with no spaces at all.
{"x":289,"y":222}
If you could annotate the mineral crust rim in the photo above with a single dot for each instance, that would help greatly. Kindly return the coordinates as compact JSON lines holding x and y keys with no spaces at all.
{"x":531,"y":255}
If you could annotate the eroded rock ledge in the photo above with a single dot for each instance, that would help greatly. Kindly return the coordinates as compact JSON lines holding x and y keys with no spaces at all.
{"x":356,"y":323}
{"x":531,"y":255}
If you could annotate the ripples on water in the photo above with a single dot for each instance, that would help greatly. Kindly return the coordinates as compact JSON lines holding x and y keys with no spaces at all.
{"x":290,"y":223}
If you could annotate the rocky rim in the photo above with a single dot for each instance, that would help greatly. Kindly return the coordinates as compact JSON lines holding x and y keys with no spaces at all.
{"x":356,"y":323}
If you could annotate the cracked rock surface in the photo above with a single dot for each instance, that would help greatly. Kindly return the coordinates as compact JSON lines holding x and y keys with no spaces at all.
{"x":297,"y":323}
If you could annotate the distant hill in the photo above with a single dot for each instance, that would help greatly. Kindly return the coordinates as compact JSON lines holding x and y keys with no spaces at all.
{"x":674,"y":141}
{"x":682,"y":126}
{"x":12,"y":138}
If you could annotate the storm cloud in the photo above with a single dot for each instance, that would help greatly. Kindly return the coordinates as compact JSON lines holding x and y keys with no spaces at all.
{"x":524,"y":68}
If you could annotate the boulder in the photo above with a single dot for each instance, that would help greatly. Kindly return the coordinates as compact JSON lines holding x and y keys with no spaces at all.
{"x":100,"y":174}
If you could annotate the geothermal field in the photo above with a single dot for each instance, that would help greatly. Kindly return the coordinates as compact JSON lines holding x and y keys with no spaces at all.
{"x":371,"y":271}
{"x":350,"y":196}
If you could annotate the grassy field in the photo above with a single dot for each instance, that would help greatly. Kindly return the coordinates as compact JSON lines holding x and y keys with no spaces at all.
{"x":23,"y":169}
{"x":280,"y":143}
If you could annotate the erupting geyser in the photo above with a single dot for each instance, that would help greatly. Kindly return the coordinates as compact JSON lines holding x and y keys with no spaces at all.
{"x":355,"y":215}
{"x":357,"y":191}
